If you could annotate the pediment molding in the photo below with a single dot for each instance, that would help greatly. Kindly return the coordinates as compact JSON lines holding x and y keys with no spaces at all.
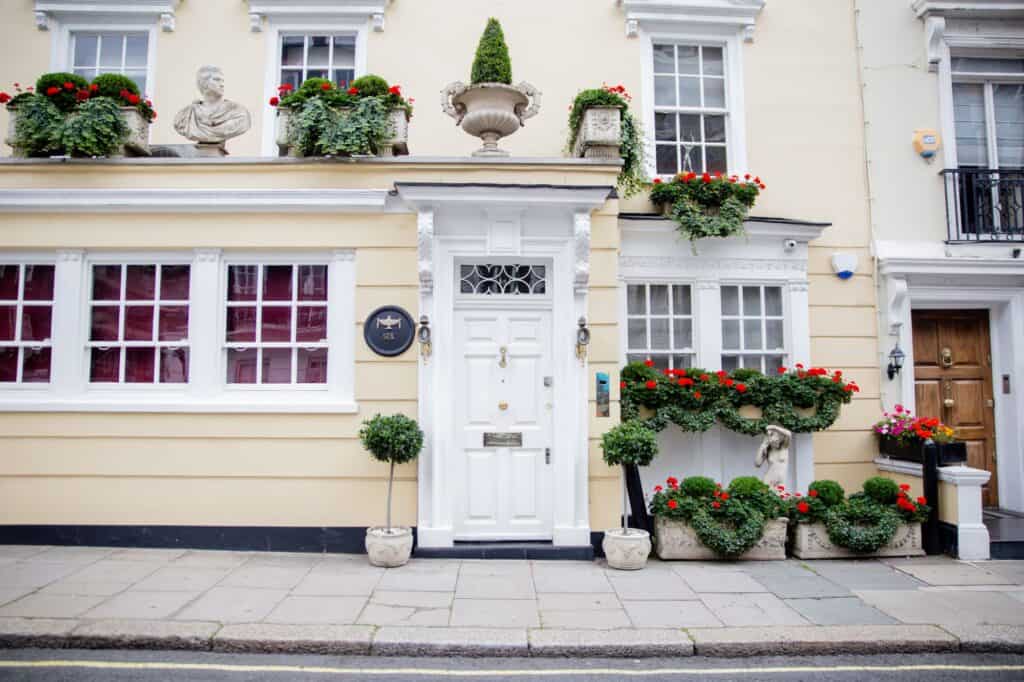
{"x":974,"y":9}
{"x":722,"y":16}
{"x":317,"y":12}
{"x":142,"y":11}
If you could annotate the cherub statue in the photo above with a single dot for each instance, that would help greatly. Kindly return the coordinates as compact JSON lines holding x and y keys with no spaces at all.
{"x":774,"y":450}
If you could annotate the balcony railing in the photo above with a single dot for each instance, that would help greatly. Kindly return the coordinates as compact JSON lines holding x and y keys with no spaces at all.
{"x":984,"y":205}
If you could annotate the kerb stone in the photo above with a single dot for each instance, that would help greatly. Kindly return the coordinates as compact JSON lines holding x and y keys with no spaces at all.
{"x":610,"y":643}
{"x":41,"y":633}
{"x":144,"y":634}
{"x":821,"y":640}
{"x":294,"y":639}
{"x":413,"y":641}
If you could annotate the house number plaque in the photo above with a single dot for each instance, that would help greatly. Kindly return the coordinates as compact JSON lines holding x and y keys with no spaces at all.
{"x":503,"y":440}
{"x":389,"y":331}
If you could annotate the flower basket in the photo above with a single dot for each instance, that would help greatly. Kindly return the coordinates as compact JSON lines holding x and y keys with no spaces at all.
{"x":395,"y":145}
{"x":600,"y":133}
{"x":677,"y":540}
{"x":949,"y":454}
{"x":811,"y":541}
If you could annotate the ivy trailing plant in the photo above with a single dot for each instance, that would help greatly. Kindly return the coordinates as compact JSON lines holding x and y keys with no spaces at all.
{"x":370,"y":85}
{"x":631,"y":178}
{"x":491,"y":64}
{"x":696,"y":399}
{"x":866,"y":521}
{"x":727,"y":521}
{"x":66,"y":114}
{"x":707,"y":205}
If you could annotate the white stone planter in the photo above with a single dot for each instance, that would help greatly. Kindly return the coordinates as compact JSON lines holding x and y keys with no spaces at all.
{"x":397,"y":144}
{"x":677,"y":540}
{"x":137,"y":143}
{"x":490,"y":111}
{"x":12,"y":119}
{"x":626,"y":551}
{"x":389,"y":548}
{"x":810,"y":541}
{"x":600,"y":133}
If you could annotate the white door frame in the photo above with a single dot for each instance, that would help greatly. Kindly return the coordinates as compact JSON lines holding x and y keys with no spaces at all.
{"x":537,"y":222}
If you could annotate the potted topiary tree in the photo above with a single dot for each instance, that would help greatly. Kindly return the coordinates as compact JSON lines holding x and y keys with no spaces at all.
{"x":395,"y":439}
{"x":490,"y":107}
{"x":629,"y":443}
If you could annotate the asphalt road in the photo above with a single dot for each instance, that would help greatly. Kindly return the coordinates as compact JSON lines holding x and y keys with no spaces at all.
{"x":117,"y":666}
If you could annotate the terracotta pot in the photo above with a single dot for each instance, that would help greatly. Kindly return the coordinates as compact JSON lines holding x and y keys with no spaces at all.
{"x":389,"y":548}
{"x":626,"y":551}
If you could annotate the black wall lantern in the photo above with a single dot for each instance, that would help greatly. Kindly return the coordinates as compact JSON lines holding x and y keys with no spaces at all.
{"x":896,"y":357}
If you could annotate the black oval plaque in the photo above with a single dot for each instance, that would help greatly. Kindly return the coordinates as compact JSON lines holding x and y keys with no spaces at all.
{"x":389,"y":330}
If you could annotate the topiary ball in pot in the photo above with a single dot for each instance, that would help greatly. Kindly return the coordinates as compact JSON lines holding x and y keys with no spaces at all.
{"x":112,"y":84}
{"x":882,"y":490}
{"x":54,"y":86}
{"x":747,"y":486}
{"x":492,"y":63}
{"x":829,"y":492}
{"x":371,"y":86}
{"x":698,"y":486}
{"x":629,"y":443}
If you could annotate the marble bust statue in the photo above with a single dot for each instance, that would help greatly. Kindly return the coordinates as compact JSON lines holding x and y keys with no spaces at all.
{"x":212,"y":119}
{"x":774,"y":451}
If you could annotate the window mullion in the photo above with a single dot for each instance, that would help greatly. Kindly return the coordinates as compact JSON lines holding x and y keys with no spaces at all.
{"x":19,"y":313}
{"x":259,"y":323}
{"x":293,"y":330}
{"x":990,"y":127}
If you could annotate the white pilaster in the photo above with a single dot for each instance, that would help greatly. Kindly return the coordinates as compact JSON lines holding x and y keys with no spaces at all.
{"x":206,"y":333}
{"x":67,"y":353}
{"x":341,"y":322}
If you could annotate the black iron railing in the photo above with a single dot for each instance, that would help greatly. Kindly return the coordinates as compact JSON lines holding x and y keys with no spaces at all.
{"x":984,"y":205}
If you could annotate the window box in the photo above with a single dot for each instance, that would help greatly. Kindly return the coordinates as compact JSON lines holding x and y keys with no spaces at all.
{"x":948,"y":453}
{"x":136,"y":144}
{"x":600,"y":133}
{"x":12,"y":120}
{"x":396,"y":145}
{"x":811,"y":541}
{"x":677,"y":540}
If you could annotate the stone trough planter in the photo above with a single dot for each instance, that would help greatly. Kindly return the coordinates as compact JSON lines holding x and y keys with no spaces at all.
{"x":396,"y":145}
{"x":677,"y":540}
{"x":137,"y":143}
{"x":600,"y":133}
{"x":811,"y":541}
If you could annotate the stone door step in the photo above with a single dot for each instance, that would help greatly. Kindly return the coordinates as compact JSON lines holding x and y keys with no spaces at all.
{"x":507,"y":550}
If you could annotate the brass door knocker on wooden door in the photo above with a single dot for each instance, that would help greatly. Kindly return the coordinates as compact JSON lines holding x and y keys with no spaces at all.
{"x":946,"y":357}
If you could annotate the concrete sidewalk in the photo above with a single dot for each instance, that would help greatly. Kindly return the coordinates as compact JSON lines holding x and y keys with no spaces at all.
{"x":268,"y":602}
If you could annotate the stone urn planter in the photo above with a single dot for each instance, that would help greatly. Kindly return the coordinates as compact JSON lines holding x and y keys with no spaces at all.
{"x":389,"y":548}
{"x":600,"y":133}
{"x":490,"y":111}
{"x":397,"y":144}
{"x":677,"y":540}
{"x":12,"y":120}
{"x":626,"y":551}
{"x":811,"y":541}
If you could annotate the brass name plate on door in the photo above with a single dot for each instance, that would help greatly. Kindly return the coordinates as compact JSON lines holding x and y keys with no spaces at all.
{"x":502,"y":440}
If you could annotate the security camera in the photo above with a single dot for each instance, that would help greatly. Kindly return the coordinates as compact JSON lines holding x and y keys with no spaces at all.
{"x":789,"y":244}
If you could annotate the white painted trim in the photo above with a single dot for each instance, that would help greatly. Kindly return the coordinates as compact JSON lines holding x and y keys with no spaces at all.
{"x":50,"y":12}
{"x":735,"y":15}
{"x":316,"y":12}
{"x":979,"y":9}
{"x":423,"y":197}
{"x":173,"y":200}
{"x":320,"y":24}
{"x":170,"y":404}
{"x":972,"y":534}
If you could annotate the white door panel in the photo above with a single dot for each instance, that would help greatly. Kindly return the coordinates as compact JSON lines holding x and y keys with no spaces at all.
{"x":503,"y":492}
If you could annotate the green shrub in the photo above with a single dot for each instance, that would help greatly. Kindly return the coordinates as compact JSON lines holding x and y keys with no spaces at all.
{"x":698,"y":486}
{"x":629,"y":443}
{"x":314,"y":86}
{"x":95,"y":128}
{"x":64,"y":98}
{"x":371,"y":86}
{"x":395,"y":439}
{"x":111,"y":85}
{"x":37,"y":130}
{"x":882,"y":490}
{"x":359,"y":131}
{"x":748,"y":487}
{"x":829,"y":492}
{"x":492,"y":63}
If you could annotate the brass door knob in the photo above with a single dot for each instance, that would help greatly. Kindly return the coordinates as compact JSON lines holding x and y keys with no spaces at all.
{"x":502,"y":405}
{"x":949,"y":402}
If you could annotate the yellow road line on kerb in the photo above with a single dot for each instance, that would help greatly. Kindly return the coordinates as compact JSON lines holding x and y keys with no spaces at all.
{"x":554,"y":672}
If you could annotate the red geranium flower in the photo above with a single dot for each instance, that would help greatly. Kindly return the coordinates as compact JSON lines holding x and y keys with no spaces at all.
{"x":781,"y":487}
{"x":133,"y":99}
{"x":672,"y":504}
{"x":812,"y":493}
{"x":746,"y":176}
{"x":353,"y":91}
{"x":904,"y":486}
{"x":68,"y":85}
{"x":657,"y":488}
{"x":705,"y":377}
{"x":782,"y":370}
{"x":52,"y":90}
{"x":657,"y":181}
{"x":4,"y":98}
{"x":725,"y":496}
{"x":716,"y":505}
{"x":803,"y":507}
{"x":94,"y":87}
{"x":82,"y":95}
{"x":705,"y":178}
{"x":742,"y":388}
{"x":729,"y":382}
{"x":648,"y":363}
{"x":622,"y":384}
{"x":274,"y":101}
{"x":325,"y":86}
{"x":651,"y":383}
{"x":697,"y":395}
{"x":395,"y":90}
{"x":672,"y":482}
{"x":922,"y":501}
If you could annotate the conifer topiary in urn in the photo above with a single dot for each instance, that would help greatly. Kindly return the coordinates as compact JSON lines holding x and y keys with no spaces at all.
{"x":492,"y":63}
{"x":394,"y":439}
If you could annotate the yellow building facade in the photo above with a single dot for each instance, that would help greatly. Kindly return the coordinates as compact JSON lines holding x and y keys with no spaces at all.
{"x":110,"y":441}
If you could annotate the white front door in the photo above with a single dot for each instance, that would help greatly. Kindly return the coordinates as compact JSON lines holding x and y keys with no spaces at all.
{"x":503,"y":377}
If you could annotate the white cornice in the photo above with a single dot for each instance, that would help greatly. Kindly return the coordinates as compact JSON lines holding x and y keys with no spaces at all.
{"x":79,"y":10}
{"x":429,"y":196}
{"x":977,"y":9}
{"x":654,"y":16}
{"x":957,"y":475}
{"x":754,"y":227}
{"x":317,"y":12}
{"x":192,"y":200}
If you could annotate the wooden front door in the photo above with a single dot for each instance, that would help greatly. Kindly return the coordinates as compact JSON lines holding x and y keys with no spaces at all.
{"x":953,"y":381}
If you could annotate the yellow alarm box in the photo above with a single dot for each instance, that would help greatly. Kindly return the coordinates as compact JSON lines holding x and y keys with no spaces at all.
{"x":926,"y":142}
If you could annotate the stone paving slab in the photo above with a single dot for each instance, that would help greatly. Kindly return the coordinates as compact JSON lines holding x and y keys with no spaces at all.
{"x":317,"y":610}
{"x":402,"y":641}
{"x":233,"y":605}
{"x":953,"y":574}
{"x":597,"y":619}
{"x":670,"y":614}
{"x":610,"y":643}
{"x":144,"y":634}
{"x":141,"y":605}
{"x":50,"y":606}
{"x":294,"y":639}
{"x":821,"y":640}
{"x":751,"y":609}
{"x":954,"y":608}
{"x":502,"y":613}
{"x":861,"y":574}
{"x":839,"y":611}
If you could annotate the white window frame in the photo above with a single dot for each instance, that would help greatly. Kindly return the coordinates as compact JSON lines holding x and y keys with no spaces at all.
{"x":739,"y":353}
{"x":61,"y":45}
{"x":69,"y":389}
{"x":276,"y":30}
{"x":22,"y":260}
{"x":694,"y":318}
{"x":306,"y":35}
{"x":986,"y":80}
{"x":293,"y":304}
{"x":731,"y":42}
